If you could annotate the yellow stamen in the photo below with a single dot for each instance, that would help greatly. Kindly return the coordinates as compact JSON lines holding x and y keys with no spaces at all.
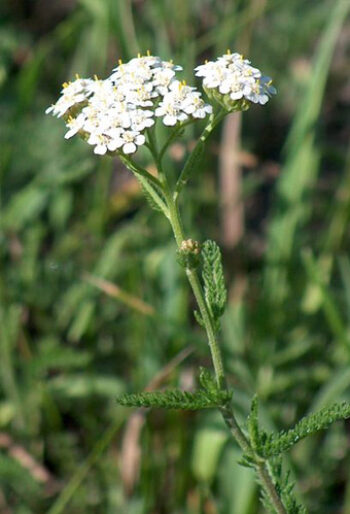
{"x":148,"y":53}
{"x":184,"y":82}
{"x":120,"y":62}
{"x":77,"y":76}
{"x":228,"y":51}
{"x":139,"y":55}
{"x":65,"y":84}
{"x":96,"y":77}
{"x":206,"y":61}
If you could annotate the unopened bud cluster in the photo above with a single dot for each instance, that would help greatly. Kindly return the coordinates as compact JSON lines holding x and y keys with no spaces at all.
{"x":189,"y":253}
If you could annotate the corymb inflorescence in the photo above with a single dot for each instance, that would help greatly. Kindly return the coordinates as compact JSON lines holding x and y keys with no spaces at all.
{"x":234,"y":83}
{"x":114,"y":114}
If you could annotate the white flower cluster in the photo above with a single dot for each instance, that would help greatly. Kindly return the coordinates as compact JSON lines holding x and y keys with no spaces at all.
{"x":234,"y":82}
{"x":112,"y":114}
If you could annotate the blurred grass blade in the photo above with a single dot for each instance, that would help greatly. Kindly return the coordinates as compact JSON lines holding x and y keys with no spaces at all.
{"x":237,"y":484}
{"x":333,"y":390}
{"x":208,"y":446}
{"x":10,"y":322}
{"x":301,"y":164}
{"x":116,"y":292}
{"x":333,"y":240}
{"x":123,"y":28}
{"x":329,"y":306}
{"x":344,"y":265}
{"x":83,"y":470}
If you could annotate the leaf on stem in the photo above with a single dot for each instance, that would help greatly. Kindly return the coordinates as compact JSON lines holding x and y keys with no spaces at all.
{"x":275,"y":444}
{"x":213,"y":278}
{"x":174,"y":399}
{"x":284,"y":488}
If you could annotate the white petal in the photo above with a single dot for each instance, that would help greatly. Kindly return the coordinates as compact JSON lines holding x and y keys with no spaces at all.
{"x":70,"y":133}
{"x":129,"y":148}
{"x":236,"y":95}
{"x":263,"y":99}
{"x":224,"y":88}
{"x":169,"y":120}
{"x":159,"y":111}
{"x":189,"y":109}
{"x":182,"y":116}
{"x":199,"y":114}
{"x":112,"y":145}
{"x":125,"y":120}
{"x":100,"y":149}
{"x":118,"y":142}
{"x":140,"y":140}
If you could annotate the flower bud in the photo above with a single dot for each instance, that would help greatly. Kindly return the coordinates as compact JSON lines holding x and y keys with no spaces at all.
{"x":188,"y":255}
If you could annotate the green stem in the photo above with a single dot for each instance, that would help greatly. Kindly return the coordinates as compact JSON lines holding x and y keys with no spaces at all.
{"x":172,"y":213}
{"x":83,"y":469}
{"x":209,"y":326}
{"x":260,"y":464}
{"x":198,"y":293}
{"x":226,"y":410}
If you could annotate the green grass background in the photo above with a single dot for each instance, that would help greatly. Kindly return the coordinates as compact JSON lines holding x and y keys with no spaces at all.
{"x":68,"y":347}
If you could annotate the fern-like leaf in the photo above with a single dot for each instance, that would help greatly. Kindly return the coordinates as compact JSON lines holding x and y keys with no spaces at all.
{"x":174,"y":399}
{"x":207,"y":381}
{"x":153,"y":197}
{"x":274,"y":444}
{"x":213,"y":278}
{"x":284,"y":487}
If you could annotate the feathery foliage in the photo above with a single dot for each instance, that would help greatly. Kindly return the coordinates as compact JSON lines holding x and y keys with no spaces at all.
{"x":209,"y":396}
{"x":284,"y":487}
{"x":149,"y":193}
{"x":175,"y":399}
{"x":274,"y":444}
{"x":213,"y":278}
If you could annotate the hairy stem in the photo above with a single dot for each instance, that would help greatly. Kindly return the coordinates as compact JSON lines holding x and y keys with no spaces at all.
{"x":199,"y":295}
{"x":260,"y":464}
{"x":172,"y":213}
{"x":226,"y":410}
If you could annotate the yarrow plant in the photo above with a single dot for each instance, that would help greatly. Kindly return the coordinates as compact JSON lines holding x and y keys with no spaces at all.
{"x":118,"y":115}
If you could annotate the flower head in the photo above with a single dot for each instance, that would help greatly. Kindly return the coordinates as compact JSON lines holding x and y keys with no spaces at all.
{"x":181,"y":103}
{"x":113,"y":114}
{"x":234,"y":83}
{"x":72,"y":93}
